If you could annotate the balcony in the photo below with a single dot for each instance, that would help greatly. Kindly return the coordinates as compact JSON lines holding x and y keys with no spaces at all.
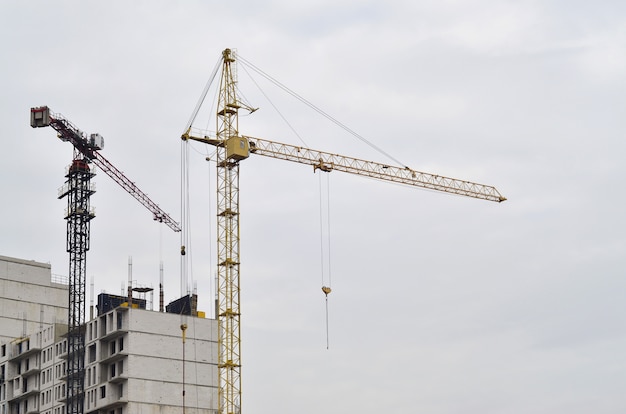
{"x":21,"y":394}
{"x":114,"y":357}
{"x":113,"y":327}
{"x":31,"y":371}
{"x":108,"y":406}
{"x":113,"y":334}
{"x":109,"y":397}
{"x":119,"y":378}
{"x":23,"y":350}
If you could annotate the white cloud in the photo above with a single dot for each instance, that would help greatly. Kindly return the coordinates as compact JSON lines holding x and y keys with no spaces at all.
{"x":441,"y":304}
{"x":604,"y":57}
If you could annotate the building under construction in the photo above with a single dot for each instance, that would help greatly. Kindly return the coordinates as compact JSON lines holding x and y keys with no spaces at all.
{"x":136,"y":360}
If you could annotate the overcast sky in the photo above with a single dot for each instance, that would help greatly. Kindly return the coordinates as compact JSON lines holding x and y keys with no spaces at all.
{"x":440,"y":304}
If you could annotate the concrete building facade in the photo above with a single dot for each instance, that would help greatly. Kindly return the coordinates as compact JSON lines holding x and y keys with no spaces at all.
{"x":29,"y":298}
{"x":32,"y":370}
{"x":136,"y":360}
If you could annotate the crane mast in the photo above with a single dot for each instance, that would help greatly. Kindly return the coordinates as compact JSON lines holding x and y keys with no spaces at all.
{"x":229,"y":344}
{"x":231,"y":149}
{"x":78,"y":189}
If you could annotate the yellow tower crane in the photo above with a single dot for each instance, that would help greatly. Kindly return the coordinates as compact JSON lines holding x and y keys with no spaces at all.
{"x":232,"y":148}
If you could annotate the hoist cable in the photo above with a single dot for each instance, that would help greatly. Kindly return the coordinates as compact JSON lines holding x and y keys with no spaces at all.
{"x":186,"y":274}
{"x":323,"y":266}
{"x":325,"y":288}
{"x":185,"y":248}
{"x":275,"y":108}
{"x":330,"y":284}
{"x":318,"y":110}
{"x":209,"y":222}
{"x":327,"y":335}
{"x":203,"y":95}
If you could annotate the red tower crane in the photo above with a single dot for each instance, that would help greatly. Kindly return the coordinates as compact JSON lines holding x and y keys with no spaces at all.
{"x":78,"y":190}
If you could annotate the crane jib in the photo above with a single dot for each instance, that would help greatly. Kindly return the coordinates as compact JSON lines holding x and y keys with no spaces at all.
{"x":327,"y":162}
{"x":89,"y":145}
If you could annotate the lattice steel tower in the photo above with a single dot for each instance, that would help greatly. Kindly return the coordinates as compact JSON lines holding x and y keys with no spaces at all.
{"x":78,"y":190}
{"x":228,"y":243}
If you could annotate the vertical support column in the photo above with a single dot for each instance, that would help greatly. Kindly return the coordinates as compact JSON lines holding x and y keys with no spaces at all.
{"x":78,"y":191}
{"x":228,"y":246}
